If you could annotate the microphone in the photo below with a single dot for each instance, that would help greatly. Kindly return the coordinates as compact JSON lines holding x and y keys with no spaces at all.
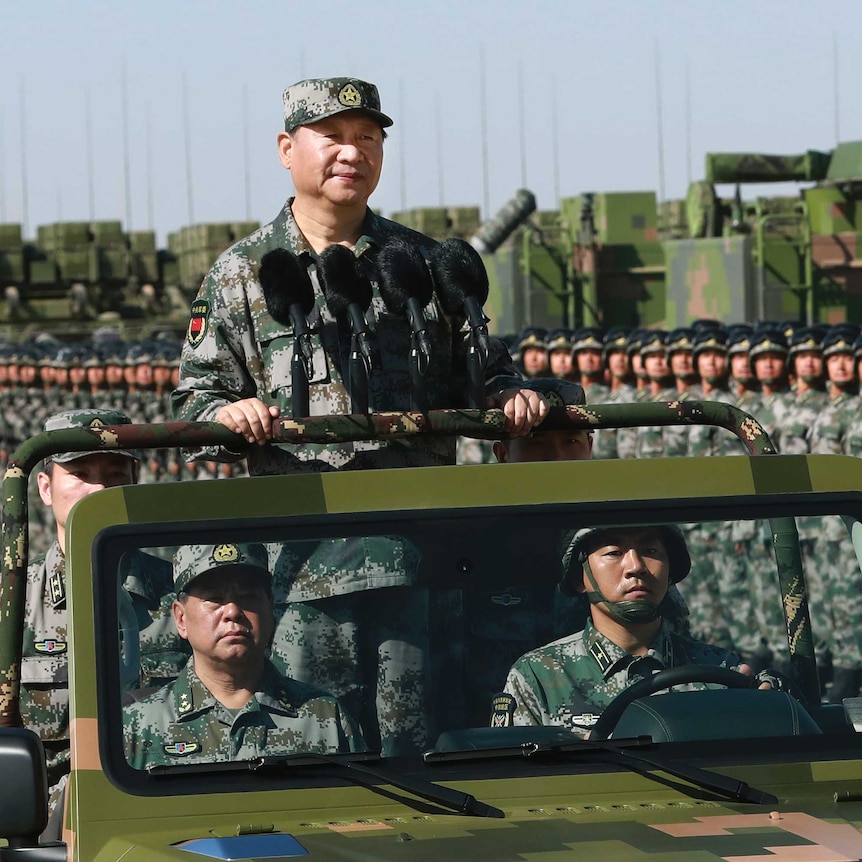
{"x":349,"y":293}
{"x":406,"y":288}
{"x":462,"y":288}
{"x":289,"y":298}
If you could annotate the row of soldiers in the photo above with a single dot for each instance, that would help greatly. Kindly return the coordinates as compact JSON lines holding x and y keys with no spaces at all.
{"x":802,"y":384}
{"x":43,"y":376}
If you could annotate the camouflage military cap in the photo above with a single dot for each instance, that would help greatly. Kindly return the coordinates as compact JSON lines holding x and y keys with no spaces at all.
{"x":767,"y":341}
{"x":710,"y":339}
{"x":587,"y":338}
{"x":839,"y":339}
{"x":805,"y":340}
{"x":315,"y":99}
{"x":559,"y":339}
{"x":88,"y":419}
{"x":680,"y":339}
{"x":560,"y":393}
{"x":653,"y":341}
{"x":579,"y":546}
{"x":532,"y":336}
{"x":192,"y":561}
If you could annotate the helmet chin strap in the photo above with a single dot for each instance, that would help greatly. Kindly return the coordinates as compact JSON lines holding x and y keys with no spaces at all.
{"x":633,"y":611}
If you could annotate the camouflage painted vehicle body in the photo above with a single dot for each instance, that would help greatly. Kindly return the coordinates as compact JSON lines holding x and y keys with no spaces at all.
{"x":484,"y":793}
{"x":624,"y":258}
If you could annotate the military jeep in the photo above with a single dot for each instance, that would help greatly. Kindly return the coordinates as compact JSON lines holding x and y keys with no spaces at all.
{"x":728,"y":771}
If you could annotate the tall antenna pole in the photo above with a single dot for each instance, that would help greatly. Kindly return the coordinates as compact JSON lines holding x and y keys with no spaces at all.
{"x":441,"y":192}
{"x":522,"y":132}
{"x":2,"y":168}
{"x":836,"y":100}
{"x":659,"y":125}
{"x":402,"y":149}
{"x":188,"y":151}
{"x":25,"y":202}
{"x":555,"y":141}
{"x":687,"y":121}
{"x":151,"y":209}
{"x":88,"y":134}
{"x":59,"y":193}
{"x":245,"y":152}
{"x":483,"y":118}
{"x":127,"y":180}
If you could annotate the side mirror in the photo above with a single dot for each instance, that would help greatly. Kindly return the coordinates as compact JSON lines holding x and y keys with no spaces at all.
{"x":24,"y":788}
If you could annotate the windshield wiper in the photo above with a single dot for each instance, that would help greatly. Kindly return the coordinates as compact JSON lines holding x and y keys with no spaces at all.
{"x":446,"y":797}
{"x":623,"y":751}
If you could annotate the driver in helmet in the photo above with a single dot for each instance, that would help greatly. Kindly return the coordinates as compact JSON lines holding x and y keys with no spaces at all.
{"x":625,"y":573}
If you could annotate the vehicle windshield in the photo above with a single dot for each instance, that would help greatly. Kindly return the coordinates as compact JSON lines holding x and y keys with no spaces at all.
{"x":401,"y":635}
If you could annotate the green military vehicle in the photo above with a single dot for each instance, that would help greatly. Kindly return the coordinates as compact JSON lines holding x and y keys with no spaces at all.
{"x":629,"y":259}
{"x":718,"y":773}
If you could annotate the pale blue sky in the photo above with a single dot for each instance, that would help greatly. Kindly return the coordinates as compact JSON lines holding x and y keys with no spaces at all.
{"x":761,"y":78}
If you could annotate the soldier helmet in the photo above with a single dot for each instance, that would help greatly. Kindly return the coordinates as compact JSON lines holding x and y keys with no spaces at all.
{"x":192,"y":561}
{"x":710,"y":339}
{"x":580,"y":544}
{"x":587,"y":338}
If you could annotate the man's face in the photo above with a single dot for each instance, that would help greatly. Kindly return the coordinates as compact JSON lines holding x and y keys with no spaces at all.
{"x":618,"y":364}
{"x":114,"y":374}
{"x":769,"y":367}
{"x":629,"y":564}
{"x":95,"y":375}
{"x":711,"y":364}
{"x":546,"y":446}
{"x":12,"y":372}
{"x":809,"y":365}
{"x":77,"y":375}
{"x":61,"y":376}
{"x":589,"y":361}
{"x":535,"y":360}
{"x":335,"y":161}
{"x":27,"y":374}
{"x":161,"y":375}
{"x":144,"y":375}
{"x":561,"y":362}
{"x":64,"y":484}
{"x":840,"y":367}
{"x":655,"y":365}
{"x":638,"y":365}
{"x":226,"y":617}
{"x":740,"y":366}
{"x":682,"y":363}
{"x":130,"y":374}
{"x":4,"y":374}
{"x":48,"y":374}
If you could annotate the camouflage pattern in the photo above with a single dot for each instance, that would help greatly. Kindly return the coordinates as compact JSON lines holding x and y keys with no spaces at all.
{"x":241,"y":352}
{"x":315,"y":99}
{"x":183,"y":723}
{"x":569,"y":682}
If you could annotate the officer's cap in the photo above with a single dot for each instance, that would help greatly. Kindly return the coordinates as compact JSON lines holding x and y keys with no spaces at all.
{"x":710,"y":339}
{"x":653,"y":341}
{"x":93,"y":419}
{"x":768,"y":341}
{"x":532,"y":336}
{"x":192,"y":561}
{"x":559,"y":339}
{"x":679,"y":339}
{"x":587,"y":338}
{"x":315,"y":99}
{"x":840,"y":339}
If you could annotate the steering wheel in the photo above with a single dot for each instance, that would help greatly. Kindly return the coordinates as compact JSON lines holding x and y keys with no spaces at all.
{"x":668,"y":678}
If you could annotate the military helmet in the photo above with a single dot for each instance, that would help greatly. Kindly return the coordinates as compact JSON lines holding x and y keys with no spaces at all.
{"x":839,"y":339}
{"x":532,"y":336}
{"x":680,"y":339}
{"x":806,"y":339}
{"x":587,"y":338}
{"x":653,"y":341}
{"x":768,"y":341}
{"x":616,"y":338}
{"x":710,"y":339}
{"x":559,"y":339}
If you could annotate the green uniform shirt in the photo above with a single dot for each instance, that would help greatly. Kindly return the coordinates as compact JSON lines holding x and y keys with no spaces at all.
{"x":570,"y":681}
{"x":184,"y":723}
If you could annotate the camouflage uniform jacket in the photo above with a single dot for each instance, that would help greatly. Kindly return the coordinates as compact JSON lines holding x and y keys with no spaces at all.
{"x":236,"y":350}
{"x":45,"y":665}
{"x":608,"y":442}
{"x":570,"y":681}
{"x":827,"y":435}
{"x":804,"y":410}
{"x":184,"y":723}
